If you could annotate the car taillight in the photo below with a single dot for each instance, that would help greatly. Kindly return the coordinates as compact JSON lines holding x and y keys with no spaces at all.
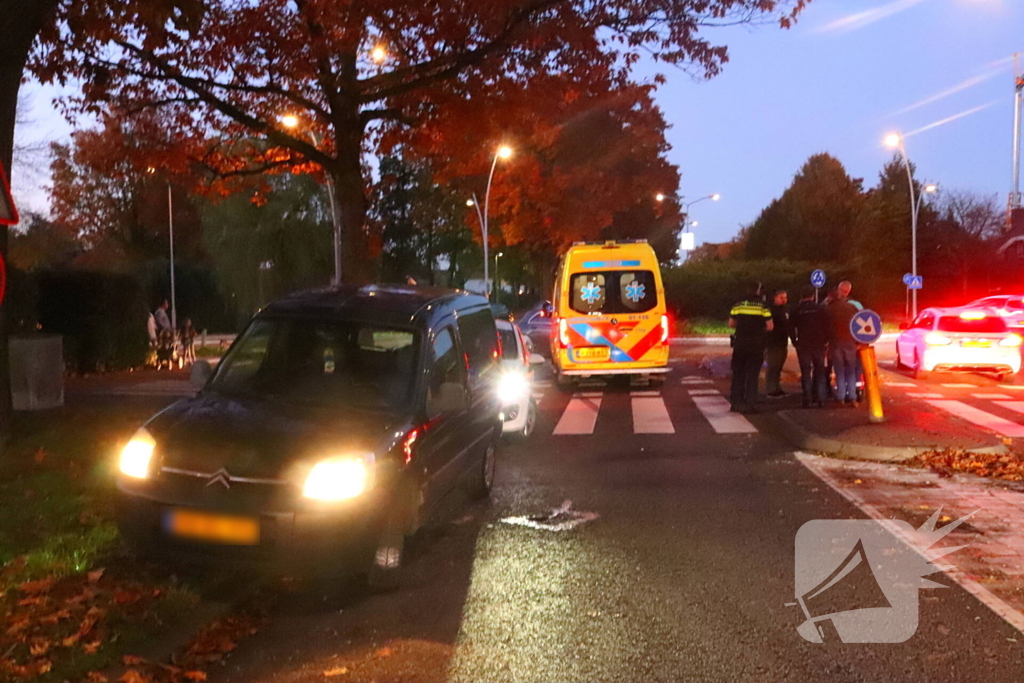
{"x":664,"y":329}
{"x":936,"y":339}
{"x":407,"y":444}
{"x":563,"y":332}
{"x":1011,"y":340}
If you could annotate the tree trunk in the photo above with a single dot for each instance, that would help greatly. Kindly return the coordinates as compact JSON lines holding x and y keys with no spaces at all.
{"x":350,"y":194}
{"x":20,"y":21}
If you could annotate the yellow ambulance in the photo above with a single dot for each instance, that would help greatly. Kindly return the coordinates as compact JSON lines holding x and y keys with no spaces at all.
{"x":609,"y":313}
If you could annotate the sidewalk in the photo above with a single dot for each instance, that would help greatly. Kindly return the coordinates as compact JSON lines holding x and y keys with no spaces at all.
{"x":991,"y":567}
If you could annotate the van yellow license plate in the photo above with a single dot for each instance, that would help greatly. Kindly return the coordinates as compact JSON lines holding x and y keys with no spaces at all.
{"x":976,"y":343}
{"x":592,"y":353}
{"x":209,"y":528}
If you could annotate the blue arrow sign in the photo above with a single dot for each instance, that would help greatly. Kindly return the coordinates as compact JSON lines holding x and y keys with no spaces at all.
{"x":866,"y":327}
{"x":818,"y":278}
{"x":916,"y":282}
{"x":908,"y":278}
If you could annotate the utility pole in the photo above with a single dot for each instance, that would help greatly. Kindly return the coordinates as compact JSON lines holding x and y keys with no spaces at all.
{"x":1018,"y":103}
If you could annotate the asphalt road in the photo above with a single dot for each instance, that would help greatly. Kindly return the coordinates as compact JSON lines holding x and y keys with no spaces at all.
{"x":685,"y":573}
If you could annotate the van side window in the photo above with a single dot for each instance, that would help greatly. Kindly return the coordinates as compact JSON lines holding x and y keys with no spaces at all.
{"x":445,"y":367}
{"x":479,"y":341}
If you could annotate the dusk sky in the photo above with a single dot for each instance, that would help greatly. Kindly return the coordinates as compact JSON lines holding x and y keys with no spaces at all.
{"x":847,"y":74}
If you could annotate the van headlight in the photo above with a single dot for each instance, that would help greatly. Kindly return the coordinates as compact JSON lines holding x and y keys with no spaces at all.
{"x":512,"y":387}
{"x":137,"y":454}
{"x":339,"y":478}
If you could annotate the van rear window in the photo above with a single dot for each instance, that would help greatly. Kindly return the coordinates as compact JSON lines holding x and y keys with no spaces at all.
{"x":614,"y":291}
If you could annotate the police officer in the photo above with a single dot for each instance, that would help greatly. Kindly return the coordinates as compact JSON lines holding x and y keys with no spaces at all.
{"x":752,"y":321}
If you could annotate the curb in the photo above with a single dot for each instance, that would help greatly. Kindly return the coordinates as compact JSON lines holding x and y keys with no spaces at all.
{"x":800,"y":438}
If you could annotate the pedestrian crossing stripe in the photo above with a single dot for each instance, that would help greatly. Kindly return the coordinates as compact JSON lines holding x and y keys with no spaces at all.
{"x":979,"y":417}
{"x":927,"y":394}
{"x":958,"y":385}
{"x":703,"y":392}
{"x":991,"y":397}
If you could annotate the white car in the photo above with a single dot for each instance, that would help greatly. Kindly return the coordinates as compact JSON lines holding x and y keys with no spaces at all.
{"x":515,"y":382}
{"x":1009,"y":306}
{"x":958,"y":339}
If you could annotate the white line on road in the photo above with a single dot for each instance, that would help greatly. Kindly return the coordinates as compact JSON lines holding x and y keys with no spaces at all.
{"x":1015,"y":406}
{"x":704,"y":392}
{"x":580,"y":415}
{"x":687,"y":380}
{"x":650,"y":416}
{"x":898,"y":384}
{"x":993,"y":602}
{"x":1011,"y":386}
{"x":716,"y":410}
{"x":923,"y":395}
{"x":991,"y":397}
{"x":654,"y":393}
{"x":959,"y":385}
{"x":979,"y":417}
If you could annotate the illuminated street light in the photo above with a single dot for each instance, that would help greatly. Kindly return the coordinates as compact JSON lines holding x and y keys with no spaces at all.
{"x":378,"y":54}
{"x":292,"y":121}
{"x":895,"y":141}
{"x":715,"y":197}
{"x":659,"y":197}
{"x":503,"y":152}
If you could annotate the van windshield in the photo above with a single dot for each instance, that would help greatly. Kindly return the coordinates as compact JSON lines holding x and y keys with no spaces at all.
{"x":352,"y":364}
{"x":614,"y":291}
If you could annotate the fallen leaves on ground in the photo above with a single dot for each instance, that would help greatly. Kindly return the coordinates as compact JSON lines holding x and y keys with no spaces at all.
{"x":1006,"y":466}
{"x":339,"y":671}
{"x":48,"y":622}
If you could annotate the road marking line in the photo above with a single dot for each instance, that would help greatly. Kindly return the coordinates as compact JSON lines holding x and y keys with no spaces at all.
{"x":924,"y":395}
{"x":589,"y":394}
{"x":716,"y":411}
{"x":981,"y":418}
{"x":992,"y":601}
{"x":1015,"y":406}
{"x":898,"y":384}
{"x":704,"y":392}
{"x":691,"y":382}
{"x":991,"y":397}
{"x":537,"y":395}
{"x":654,"y":393}
{"x":1011,"y":386}
{"x":580,"y":415}
{"x":959,"y":385}
{"x":650,"y":416}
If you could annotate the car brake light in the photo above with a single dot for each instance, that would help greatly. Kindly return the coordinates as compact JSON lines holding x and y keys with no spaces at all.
{"x":563,"y":332}
{"x":936,"y":339}
{"x":410,"y":439}
{"x":973,"y":315}
{"x":1011,"y":340}
{"x":664,"y":329}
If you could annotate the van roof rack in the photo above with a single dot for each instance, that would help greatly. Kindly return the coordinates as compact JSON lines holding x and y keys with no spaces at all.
{"x":608,"y":243}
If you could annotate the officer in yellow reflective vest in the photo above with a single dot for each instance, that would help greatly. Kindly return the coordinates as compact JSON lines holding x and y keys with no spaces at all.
{"x":752,"y":321}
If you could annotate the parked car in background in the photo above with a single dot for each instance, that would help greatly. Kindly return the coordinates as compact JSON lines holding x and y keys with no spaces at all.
{"x":958,"y":339}
{"x":536,"y":326}
{"x":334,"y":424}
{"x":1009,"y":306}
{"x":515,"y":384}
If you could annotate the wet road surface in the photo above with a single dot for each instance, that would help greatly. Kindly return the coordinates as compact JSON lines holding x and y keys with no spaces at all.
{"x":685,"y":573}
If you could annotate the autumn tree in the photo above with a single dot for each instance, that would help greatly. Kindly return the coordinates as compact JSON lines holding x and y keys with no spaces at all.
{"x":959,"y":244}
{"x":231,"y":70}
{"x":815,"y":218}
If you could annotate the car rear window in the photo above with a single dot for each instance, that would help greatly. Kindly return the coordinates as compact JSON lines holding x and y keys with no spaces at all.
{"x":988,"y":325}
{"x":614,"y":291}
{"x":509,"y":351}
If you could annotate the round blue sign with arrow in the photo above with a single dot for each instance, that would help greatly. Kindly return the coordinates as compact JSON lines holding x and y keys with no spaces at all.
{"x":908,"y":278}
{"x":866,"y":327}
{"x":818,"y":279}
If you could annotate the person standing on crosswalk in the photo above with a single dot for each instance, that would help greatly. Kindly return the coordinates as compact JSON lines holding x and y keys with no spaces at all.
{"x":752,"y":321}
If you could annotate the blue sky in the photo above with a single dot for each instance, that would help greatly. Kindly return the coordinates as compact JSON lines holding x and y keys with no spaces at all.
{"x":846,"y":75}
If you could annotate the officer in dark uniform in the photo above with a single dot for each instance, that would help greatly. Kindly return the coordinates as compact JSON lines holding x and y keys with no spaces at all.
{"x":752,"y":321}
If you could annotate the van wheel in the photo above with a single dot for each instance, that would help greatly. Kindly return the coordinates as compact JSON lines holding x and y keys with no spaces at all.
{"x":389,"y":553}
{"x":564,"y":383}
{"x":483,"y":480}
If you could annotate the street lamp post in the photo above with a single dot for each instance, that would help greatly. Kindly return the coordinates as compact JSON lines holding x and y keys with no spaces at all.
{"x":496,"y":283}
{"x":895,"y":140}
{"x":170,"y":235}
{"x":290,"y":121}
{"x":660,"y":197}
{"x":504,"y":152}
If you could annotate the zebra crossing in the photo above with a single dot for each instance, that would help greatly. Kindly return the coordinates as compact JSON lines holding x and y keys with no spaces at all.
{"x":649,"y":412}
